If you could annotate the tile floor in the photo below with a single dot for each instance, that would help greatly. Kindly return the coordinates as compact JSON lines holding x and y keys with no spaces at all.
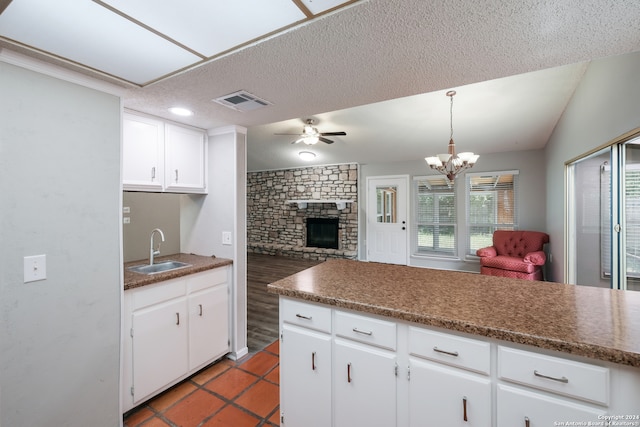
{"x":227,"y":394}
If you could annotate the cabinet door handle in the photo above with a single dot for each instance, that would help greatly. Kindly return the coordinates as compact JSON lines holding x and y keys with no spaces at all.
{"x":313,"y":361}
{"x":358,"y":331}
{"x":348,"y":372}
{"x":301,"y":316}
{"x":526,"y":422}
{"x":450,"y":353}
{"x":177,"y":318}
{"x":176,"y":176}
{"x":153,"y":173}
{"x":560,"y":380}
{"x":464,"y":407}
{"x":200,"y":305}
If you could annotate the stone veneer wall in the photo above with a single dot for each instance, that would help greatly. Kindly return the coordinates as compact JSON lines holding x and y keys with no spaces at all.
{"x":276,"y":227}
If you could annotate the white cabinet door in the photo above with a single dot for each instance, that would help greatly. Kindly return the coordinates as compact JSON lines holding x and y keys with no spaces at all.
{"x":518,"y":407}
{"x":365,"y":382}
{"x":208,"y":325}
{"x":305,"y":372}
{"x":159,"y":346}
{"x":142,"y":153}
{"x":440,"y":396}
{"x":184,"y":159}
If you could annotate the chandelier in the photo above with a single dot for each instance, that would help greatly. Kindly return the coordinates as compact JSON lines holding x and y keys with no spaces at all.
{"x":451,"y":164}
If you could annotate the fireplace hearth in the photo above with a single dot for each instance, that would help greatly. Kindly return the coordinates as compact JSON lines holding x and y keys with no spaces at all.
{"x":322,"y":233}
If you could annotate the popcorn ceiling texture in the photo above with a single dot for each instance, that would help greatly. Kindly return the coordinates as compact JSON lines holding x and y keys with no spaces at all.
{"x":276,"y":227}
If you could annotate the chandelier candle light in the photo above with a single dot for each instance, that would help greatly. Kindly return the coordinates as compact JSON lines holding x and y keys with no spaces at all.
{"x":452,"y":164}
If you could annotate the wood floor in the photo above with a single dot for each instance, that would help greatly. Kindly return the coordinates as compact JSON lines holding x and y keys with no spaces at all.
{"x":262,"y":307}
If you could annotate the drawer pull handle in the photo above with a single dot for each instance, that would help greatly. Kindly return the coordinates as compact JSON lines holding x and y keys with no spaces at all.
{"x":526,"y":422}
{"x":450,"y":353}
{"x":358,"y":331}
{"x":560,"y":380}
{"x":176,"y":176}
{"x":153,"y":173}
{"x":177,"y":318}
{"x":464,"y":407}
{"x":300,"y":316}
{"x":313,"y":361}
{"x":200,"y":305}
{"x":348,"y":372}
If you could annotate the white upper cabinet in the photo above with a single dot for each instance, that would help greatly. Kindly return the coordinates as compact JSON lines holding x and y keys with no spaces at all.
{"x":184,"y":159}
{"x":142,"y":153}
{"x":162,"y":157}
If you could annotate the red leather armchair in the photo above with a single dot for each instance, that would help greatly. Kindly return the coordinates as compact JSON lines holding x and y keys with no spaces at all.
{"x":516,"y":254}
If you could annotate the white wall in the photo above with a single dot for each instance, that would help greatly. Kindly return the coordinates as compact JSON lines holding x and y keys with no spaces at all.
{"x":531,"y":196}
{"x":605,"y":105}
{"x":60,"y":195}
{"x":204,"y":219}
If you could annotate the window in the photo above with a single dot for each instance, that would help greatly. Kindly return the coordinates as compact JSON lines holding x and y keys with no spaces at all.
{"x":491,"y":205}
{"x":435,"y":216}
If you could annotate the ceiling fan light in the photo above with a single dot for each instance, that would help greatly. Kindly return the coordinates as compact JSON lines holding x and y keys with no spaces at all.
{"x":311,"y":139}
{"x":307,"y":156}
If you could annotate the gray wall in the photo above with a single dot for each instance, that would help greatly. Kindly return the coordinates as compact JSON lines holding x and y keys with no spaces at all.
{"x":60,"y":195}
{"x":531,"y":196}
{"x":149,"y":211}
{"x":204,"y":219}
{"x":605,"y":105}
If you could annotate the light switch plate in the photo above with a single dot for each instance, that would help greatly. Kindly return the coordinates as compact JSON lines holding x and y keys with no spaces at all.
{"x":35,"y":268}
{"x":226,"y":237}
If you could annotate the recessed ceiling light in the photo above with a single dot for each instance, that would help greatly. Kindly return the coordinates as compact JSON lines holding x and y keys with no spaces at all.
{"x":307,"y":155}
{"x":179,"y":111}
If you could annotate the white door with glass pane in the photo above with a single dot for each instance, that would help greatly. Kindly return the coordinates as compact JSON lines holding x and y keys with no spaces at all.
{"x":387,"y":222}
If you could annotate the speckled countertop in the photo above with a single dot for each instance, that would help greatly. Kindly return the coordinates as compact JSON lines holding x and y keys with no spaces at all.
{"x":592,"y":322}
{"x":198,"y":263}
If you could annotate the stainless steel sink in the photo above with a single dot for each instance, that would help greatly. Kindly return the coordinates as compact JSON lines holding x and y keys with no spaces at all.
{"x":159,"y":267}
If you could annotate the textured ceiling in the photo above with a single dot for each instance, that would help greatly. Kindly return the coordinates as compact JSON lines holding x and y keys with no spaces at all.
{"x":381,"y":50}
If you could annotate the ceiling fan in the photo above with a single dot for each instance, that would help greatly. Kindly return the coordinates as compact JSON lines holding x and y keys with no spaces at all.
{"x":310,"y":134}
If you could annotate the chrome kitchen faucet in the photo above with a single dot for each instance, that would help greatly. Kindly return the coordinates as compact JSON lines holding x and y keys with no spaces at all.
{"x":153,"y":252}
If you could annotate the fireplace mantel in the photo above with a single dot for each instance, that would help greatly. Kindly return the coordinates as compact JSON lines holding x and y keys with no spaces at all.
{"x":302,"y":204}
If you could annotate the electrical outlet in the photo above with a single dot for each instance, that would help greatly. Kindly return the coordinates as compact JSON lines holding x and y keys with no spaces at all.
{"x":226,"y":237}
{"x":35,"y":268}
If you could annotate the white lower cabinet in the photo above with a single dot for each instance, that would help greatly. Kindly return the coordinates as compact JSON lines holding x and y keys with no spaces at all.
{"x":160,"y":333}
{"x":305,"y":359}
{"x":172,"y":329}
{"x":442,"y":396}
{"x":208,"y":325}
{"x":389,"y":373}
{"x":364,"y":385}
{"x":521,"y":408}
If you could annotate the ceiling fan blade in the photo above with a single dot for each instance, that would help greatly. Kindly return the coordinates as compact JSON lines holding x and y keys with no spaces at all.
{"x":333,"y":133}
{"x":328,"y":141}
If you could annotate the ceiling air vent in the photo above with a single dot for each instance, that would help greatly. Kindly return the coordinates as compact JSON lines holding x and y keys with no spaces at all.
{"x":242,"y":101}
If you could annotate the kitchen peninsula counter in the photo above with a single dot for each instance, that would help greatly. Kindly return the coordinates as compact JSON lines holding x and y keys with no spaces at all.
{"x":592,"y":322}
{"x":198,"y":263}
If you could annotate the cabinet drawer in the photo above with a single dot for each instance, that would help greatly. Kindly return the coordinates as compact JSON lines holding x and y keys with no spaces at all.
{"x":206,"y":279}
{"x":157,"y":293}
{"x":367,"y":330}
{"x":466,"y":353}
{"x":306,"y":315}
{"x":562,"y":376}
{"x":515,"y":407}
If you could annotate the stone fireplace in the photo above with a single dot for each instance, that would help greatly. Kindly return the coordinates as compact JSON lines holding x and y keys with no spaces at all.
{"x":281,"y":203}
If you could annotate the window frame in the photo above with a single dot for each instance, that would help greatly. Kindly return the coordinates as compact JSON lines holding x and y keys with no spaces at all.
{"x":470,"y":252}
{"x":442,"y":190}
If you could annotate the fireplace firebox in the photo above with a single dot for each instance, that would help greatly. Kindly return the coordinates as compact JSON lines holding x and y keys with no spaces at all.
{"x":322,"y":233}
